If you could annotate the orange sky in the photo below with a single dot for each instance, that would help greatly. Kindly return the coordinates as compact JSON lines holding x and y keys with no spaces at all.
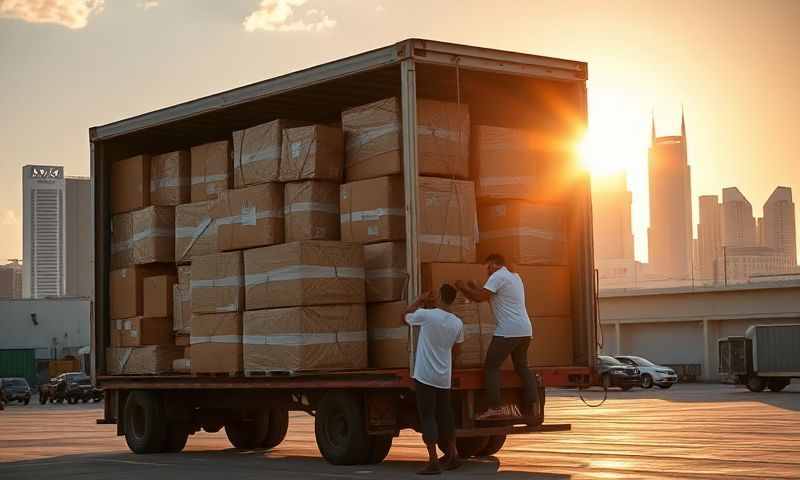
{"x":733,"y":64}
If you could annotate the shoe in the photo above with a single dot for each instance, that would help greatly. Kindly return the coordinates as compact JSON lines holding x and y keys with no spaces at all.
{"x":490,"y":413}
{"x":430,"y":470}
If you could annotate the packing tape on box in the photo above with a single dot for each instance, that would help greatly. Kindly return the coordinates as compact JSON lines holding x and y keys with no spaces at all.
{"x":385,"y":273}
{"x":371,"y":215}
{"x":451,"y":240}
{"x":269,"y":154}
{"x":300,"y":207}
{"x":395,"y":333}
{"x":366,"y":135}
{"x":249,"y":216}
{"x":233,"y":281}
{"x":500,"y":181}
{"x":231,"y":307}
{"x":520,"y":232}
{"x":441,"y":133}
{"x":201,"y":179}
{"x":302,"y":339}
{"x":168,"y":182}
{"x":195,"y":339}
{"x":152,"y":232}
{"x":300,"y":272}
{"x":196,"y":232}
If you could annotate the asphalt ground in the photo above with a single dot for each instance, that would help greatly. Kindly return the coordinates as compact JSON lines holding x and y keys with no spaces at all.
{"x":689,"y":431}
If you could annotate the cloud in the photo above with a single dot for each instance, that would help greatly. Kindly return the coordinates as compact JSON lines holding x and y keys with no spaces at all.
{"x":73,"y":14}
{"x":280,"y":16}
{"x":148,"y":4}
{"x":8,"y":217}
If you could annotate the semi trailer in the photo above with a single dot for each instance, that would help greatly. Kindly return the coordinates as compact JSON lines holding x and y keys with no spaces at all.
{"x":356,"y":413}
{"x":767,"y":356}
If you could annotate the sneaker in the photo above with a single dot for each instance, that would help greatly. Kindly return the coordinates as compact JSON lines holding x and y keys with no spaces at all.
{"x":490,"y":414}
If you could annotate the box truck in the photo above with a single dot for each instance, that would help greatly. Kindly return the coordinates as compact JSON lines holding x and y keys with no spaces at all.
{"x":767,"y":356}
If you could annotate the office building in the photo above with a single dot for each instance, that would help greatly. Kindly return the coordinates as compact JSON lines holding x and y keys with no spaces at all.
{"x":611,"y":211}
{"x":79,"y":238}
{"x":738,"y":223}
{"x":11,"y":280}
{"x":778,"y":226}
{"x":738,"y":264}
{"x":670,"y":231}
{"x":709,"y":236}
{"x":43,"y":232}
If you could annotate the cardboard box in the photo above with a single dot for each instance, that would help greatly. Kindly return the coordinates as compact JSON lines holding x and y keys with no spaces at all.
{"x":217,"y":343}
{"x":523,"y":232}
{"x":130,"y":184}
{"x":126,"y":289}
{"x":195,"y":231}
{"x":552,"y":342}
{"x":217,"y":283}
{"x":158,"y":295}
{"x":310,"y":272}
{"x":388,"y":335}
{"x":257,"y":152}
{"x":547,"y":290}
{"x":249,"y":217}
{"x":329,"y":337}
{"x":153,"y":235}
{"x":121,"y":240}
{"x":517,"y":164}
{"x":373,"y":210}
{"x":169,"y":178}
{"x":373,"y":139}
{"x":182,"y":365}
{"x":311,"y":211}
{"x":149,"y":360}
{"x":139,"y":331}
{"x":385,"y":271}
{"x":210,"y":170}
{"x":182,"y":301}
{"x":314,"y":152}
{"x":182,"y":339}
{"x":447,"y":220}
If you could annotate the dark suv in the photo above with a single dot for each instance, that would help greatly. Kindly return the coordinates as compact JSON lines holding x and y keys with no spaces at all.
{"x":16,"y":389}
{"x":72,"y":387}
{"x":614,"y":373}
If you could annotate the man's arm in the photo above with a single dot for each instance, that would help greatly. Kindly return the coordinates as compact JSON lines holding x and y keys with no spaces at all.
{"x":473,"y":292}
{"x":418,"y":303}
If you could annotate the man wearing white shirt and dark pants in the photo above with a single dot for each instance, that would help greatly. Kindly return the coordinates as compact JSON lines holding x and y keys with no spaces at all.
{"x":439,"y":332}
{"x":506,"y":294}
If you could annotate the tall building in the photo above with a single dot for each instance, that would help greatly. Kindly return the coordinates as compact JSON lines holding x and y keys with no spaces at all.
{"x":78,"y":244}
{"x":670,"y":231}
{"x":738,"y":224}
{"x":738,"y":264}
{"x":778,"y":226}
{"x":11,"y":280}
{"x":43,"y":233}
{"x":709,"y":236}
{"x":611,"y":211}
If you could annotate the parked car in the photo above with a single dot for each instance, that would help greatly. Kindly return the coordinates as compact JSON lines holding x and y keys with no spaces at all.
{"x":15,"y":389}
{"x":72,"y":387}
{"x":652,"y":374}
{"x":613,"y":373}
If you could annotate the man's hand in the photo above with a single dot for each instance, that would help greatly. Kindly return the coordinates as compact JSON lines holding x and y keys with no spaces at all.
{"x":472,"y":291}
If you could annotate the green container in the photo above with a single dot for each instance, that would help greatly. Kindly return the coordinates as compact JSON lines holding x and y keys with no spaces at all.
{"x":18,"y":363}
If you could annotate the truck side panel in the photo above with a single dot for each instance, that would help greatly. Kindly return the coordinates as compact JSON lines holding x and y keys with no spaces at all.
{"x":776,"y":349}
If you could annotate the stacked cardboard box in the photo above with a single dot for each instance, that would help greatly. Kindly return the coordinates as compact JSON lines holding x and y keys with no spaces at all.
{"x":130,"y":184}
{"x":447,"y":231}
{"x":195,"y":231}
{"x":249,"y":217}
{"x":170,"y":184}
{"x":385,"y":271}
{"x":210,"y":169}
{"x":311,"y":211}
{"x":523,"y":232}
{"x":257,"y":152}
{"x":373,"y":210}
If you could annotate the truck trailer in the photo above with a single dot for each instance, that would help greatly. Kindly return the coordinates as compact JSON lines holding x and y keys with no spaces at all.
{"x":767,"y":356}
{"x":357,"y":413}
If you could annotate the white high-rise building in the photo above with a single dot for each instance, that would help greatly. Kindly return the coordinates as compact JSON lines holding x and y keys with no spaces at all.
{"x":43,"y":232}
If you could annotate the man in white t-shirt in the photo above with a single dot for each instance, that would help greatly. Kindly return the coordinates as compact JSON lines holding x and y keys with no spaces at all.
{"x":439,"y":332}
{"x":506,"y":294}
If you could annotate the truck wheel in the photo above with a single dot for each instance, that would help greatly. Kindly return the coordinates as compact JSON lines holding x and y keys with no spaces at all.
{"x":249,"y":433}
{"x":493,"y":446}
{"x":755,"y":384}
{"x":778,"y":384}
{"x":277,"y":427}
{"x":379,"y":446}
{"x":647,"y":381}
{"x":145,"y":429}
{"x":471,"y":446}
{"x":177,"y":435}
{"x":340,"y":429}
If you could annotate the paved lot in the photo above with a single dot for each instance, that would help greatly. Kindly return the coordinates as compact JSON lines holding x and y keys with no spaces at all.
{"x":690,"y":431}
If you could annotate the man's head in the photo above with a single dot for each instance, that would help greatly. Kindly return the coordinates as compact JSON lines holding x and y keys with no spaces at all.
{"x":447,"y":295}
{"x":494,"y":262}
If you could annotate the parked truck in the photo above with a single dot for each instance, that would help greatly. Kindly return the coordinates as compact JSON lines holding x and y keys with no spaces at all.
{"x":767,"y":356}
{"x":356,"y":413}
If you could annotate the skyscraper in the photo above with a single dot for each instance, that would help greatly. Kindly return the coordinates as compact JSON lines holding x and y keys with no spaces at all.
{"x":611,"y":211}
{"x":670,"y":232}
{"x":779,"y":224}
{"x":709,"y":236}
{"x":78,"y":244}
{"x":738,"y":224}
{"x":43,"y":233}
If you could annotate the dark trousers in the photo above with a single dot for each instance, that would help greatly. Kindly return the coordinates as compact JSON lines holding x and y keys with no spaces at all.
{"x":499,"y":350}
{"x":435,"y":414}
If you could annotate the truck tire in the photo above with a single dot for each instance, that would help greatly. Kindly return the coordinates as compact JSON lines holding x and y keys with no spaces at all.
{"x":755,"y":384}
{"x":277,"y":427}
{"x":778,"y":384}
{"x":493,"y":446}
{"x":379,"y":446}
{"x":471,"y":446}
{"x":249,"y":433}
{"x":177,"y":435}
{"x":340,"y":429}
{"x":145,"y":424}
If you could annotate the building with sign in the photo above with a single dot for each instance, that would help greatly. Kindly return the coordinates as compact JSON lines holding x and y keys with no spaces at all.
{"x":43,"y":232}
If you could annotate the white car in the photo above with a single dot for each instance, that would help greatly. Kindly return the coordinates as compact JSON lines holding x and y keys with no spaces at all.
{"x":652,"y":374}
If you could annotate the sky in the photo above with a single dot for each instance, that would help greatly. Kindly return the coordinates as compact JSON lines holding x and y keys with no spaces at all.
{"x":733,"y":65}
